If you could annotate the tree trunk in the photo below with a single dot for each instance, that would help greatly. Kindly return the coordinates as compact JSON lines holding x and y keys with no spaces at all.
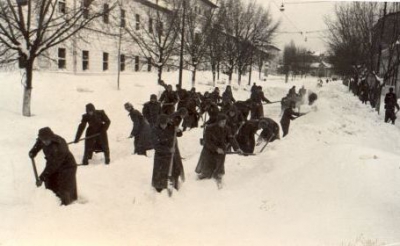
{"x":194,"y":76}
{"x":159,"y":74}
{"x":251,"y":70}
{"x":26,"y":105}
{"x":218,"y":71}
{"x":213,"y":70}
{"x":230,"y":76}
{"x":239,"y":76}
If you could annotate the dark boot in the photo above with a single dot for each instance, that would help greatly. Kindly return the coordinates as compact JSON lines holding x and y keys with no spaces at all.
{"x":106,"y":158}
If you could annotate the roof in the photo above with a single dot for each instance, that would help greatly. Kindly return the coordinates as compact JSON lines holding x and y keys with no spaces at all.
{"x":154,"y":5}
{"x":320,"y":64}
{"x":210,"y":3}
{"x":272,"y":47}
{"x":390,"y":33}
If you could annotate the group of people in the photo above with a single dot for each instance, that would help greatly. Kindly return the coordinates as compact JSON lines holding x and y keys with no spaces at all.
{"x":231,"y":129}
{"x":366,"y":93}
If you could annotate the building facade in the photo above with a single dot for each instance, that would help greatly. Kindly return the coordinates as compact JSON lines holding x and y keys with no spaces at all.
{"x":105,"y":46}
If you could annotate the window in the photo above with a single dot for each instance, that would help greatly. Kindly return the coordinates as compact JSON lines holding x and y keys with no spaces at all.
{"x":62,"y":6}
{"x":85,"y":60}
{"x":61,"y":58}
{"x":137,"y":64}
{"x":148,"y":64}
{"x":150,"y":25}
{"x":105,"y":61}
{"x":106,"y":13}
{"x":123,"y":21}
{"x":85,"y":8}
{"x":122,"y":62}
{"x":137,"y":18}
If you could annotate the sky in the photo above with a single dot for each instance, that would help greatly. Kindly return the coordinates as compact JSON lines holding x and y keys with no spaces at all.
{"x":301,"y":16}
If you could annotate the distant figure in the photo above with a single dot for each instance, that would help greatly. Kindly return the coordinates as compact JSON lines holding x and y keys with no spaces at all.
{"x":182,"y":96}
{"x":96,"y":134}
{"x":215,"y":96}
{"x":390,"y":105}
{"x":59,"y":174}
{"x":257,"y":110}
{"x":227,"y":96}
{"x":364,"y":91}
{"x":292,"y":91}
{"x":168,"y":100}
{"x":141,"y":131}
{"x":287,"y":116}
{"x":151,"y":110}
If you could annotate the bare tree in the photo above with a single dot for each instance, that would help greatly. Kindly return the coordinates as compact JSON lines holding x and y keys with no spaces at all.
{"x":196,"y":37}
{"x":289,"y":58}
{"x":215,"y":41}
{"x":157,"y":36}
{"x":26,"y":32}
{"x":350,"y":36}
{"x":247,"y":28}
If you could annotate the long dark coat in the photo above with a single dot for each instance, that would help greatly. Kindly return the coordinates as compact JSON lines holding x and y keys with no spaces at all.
{"x":182,"y":96}
{"x":271,"y":131}
{"x":234,"y":119}
{"x":257,"y":110}
{"x":246,"y":136}
{"x":192,"y":118}
{"x":287,"y":116}
{"x":98,"y":124}
{"x":228,"y":96}
{"x":168,"y":99}
{"x":151,"y":111}
{"x":211,"y":164}
{"x":59,"y":174}
{"x":390,"y":105}
{"x":244,"y":108}
{"x":141,"y":131}
{"x":163,"y":142}
{"x":213,"y":112}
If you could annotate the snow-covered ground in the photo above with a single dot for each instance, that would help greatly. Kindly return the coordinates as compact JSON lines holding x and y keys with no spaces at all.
{"x":334,"y":180}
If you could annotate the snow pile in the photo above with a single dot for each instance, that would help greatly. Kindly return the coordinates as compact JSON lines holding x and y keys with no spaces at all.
{"x":334,"y":180}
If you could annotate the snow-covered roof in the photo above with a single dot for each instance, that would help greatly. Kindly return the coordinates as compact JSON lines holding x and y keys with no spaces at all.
{"x":320,"y":64}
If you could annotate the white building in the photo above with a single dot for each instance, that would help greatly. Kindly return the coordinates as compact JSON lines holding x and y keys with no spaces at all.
{"x":97,"y":49}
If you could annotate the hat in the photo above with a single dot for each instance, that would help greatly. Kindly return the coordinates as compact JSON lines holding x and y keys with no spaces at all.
{"x":90,"y":107}
{"x":221,"y":117}
{"x":163,"y":119}
{"x":128,"y":105}
{"x":153,"y":96}
{"x":45,"y":133}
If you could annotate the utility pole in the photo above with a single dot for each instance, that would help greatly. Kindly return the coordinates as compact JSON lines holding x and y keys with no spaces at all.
{"x":379,"y":92}
{"x":182,"y":42}
{"x":121,"y":25}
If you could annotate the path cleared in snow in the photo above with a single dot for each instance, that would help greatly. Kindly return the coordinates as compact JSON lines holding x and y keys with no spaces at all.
{"x":334,"y":180}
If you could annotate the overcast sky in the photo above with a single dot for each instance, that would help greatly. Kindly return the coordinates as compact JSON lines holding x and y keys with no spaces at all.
{"x":301,"y":16}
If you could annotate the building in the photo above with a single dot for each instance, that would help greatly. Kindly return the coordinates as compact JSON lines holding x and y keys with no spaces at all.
{"x":105,"y":46}
{"x":386,"y":49}
{"x":321,"y":69}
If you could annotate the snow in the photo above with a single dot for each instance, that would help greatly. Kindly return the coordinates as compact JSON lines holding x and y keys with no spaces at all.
{"x":334,"y":180}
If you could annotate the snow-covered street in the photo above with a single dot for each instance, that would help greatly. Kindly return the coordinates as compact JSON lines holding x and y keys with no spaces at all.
{"x":334,"y":180}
